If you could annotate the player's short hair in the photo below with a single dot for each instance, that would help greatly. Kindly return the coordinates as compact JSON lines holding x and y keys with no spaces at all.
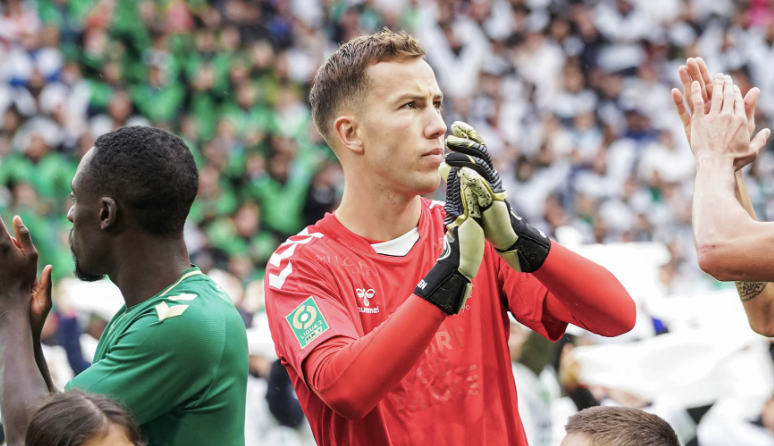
{"x":343,"y":77}
{"x":150,"y":170}
{"x":72,"y":418}
{"x":622,"y":426}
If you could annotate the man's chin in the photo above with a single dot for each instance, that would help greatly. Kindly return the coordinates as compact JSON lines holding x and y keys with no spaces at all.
{"x":429,"y":185}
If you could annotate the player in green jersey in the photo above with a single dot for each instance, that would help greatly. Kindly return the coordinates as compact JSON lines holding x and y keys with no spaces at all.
{"x":176,"y":354}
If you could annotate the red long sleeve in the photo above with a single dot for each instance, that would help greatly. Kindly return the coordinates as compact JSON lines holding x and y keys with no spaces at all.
{"x":352,"y":376}
{"x":585,"y":294}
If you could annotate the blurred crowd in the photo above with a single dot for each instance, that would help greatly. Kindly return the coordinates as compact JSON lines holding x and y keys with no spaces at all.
{"x":571,"y":96}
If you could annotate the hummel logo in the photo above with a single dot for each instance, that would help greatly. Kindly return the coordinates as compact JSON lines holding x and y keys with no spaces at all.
{"x":365,"y":295}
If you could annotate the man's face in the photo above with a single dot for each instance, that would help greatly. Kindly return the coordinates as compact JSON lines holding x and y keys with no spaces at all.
{"x":576,"y":439}
{"x":85,"y":236}
{"x":402,"y":129}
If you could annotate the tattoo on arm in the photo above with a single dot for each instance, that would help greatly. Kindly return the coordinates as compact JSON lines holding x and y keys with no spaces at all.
{"x":749,"y":290}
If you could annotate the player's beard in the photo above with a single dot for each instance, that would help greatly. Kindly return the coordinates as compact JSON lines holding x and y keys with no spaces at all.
{"x":79,"y":272}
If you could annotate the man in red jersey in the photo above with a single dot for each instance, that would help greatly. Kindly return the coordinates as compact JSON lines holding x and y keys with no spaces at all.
{"x":372,"y":324}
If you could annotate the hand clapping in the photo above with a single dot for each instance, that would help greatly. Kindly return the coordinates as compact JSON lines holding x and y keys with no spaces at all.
{"x":723,"y":132}
{"x":695,"y":71}
{"x":18,"y":265}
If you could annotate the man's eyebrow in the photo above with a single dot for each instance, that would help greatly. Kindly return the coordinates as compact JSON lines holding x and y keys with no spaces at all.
{"x":409,"y":96}
{"x":417,"y":97}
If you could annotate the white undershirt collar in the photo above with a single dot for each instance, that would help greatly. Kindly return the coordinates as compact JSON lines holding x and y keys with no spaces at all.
{"x":398,"y":247}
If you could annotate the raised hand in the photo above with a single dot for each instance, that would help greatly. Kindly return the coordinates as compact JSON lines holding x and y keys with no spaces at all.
{"x":40,"y":291}
{"x":696,"y":70}
{"x":723,"y":131}
{"x":18,"y":260}
{"x":449,"y":282}
{"x":520,"y":245}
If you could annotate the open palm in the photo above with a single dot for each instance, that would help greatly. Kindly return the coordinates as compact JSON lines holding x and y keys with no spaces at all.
{"x":696,"y":70}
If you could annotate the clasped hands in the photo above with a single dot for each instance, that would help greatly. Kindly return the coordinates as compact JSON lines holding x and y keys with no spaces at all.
{"x":718,"y":121}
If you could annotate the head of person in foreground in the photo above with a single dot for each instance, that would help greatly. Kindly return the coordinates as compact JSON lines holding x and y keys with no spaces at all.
{"x":75,"y":418}
{"x":132,"y":190}
{"x":618,"y":426}
{"x":378,"y":106}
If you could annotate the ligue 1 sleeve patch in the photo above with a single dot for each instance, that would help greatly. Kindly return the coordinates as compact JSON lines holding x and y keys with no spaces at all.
{"x":307,"y":322}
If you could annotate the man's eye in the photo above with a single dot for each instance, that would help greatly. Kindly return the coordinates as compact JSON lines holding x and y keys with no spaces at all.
{"x":410,"y":105}
{"x":438,"y":106}
{"x":72,"y":197}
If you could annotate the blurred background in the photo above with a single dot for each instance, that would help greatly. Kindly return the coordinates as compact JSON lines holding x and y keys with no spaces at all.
{"x":572,"y":97}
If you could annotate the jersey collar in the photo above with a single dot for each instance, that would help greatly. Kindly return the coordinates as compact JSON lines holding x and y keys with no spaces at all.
{"x":193,"y":271}
{"x":398,"y":247}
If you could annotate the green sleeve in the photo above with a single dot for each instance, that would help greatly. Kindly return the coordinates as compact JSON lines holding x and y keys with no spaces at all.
{"x":158,"y":365}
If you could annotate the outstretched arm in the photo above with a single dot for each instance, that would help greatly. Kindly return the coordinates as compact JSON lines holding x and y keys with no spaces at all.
{"x":22,"y":387}
{"x":731,"y":244}
{"x":757,"y":297}
{"x":585,"y":294}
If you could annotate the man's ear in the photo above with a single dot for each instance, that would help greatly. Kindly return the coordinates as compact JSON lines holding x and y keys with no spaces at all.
{"x":108,"y":213}
{"x":345,"y":131}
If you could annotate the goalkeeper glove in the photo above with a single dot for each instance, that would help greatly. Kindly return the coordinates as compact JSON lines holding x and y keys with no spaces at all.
{"x":448,"y":284}
{"x":523,"y":247}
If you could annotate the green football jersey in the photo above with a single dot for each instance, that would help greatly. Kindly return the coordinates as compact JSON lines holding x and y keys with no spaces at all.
{"x":178,"y":362}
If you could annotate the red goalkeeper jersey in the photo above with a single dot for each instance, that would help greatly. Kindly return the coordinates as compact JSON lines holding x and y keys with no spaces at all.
{"x":328,"y":282}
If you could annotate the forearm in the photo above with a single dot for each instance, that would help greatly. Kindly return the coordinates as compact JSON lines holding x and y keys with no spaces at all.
{"x":585,"y":294}
{"x":353,"y":376}
{"x":742,"y":195}
{"x":757,"y":297}
{"x":758,"y":301}
{"x":719,"y":215}
{"x":22,"y":388}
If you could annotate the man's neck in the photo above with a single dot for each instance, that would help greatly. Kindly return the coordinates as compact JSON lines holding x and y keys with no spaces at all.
{"x":378,"y":214}
{"x":146,"y":266}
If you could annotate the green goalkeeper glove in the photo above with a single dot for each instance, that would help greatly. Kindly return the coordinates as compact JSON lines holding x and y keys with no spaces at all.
{"x":523,"y":247}
{"x":448,"y":284}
